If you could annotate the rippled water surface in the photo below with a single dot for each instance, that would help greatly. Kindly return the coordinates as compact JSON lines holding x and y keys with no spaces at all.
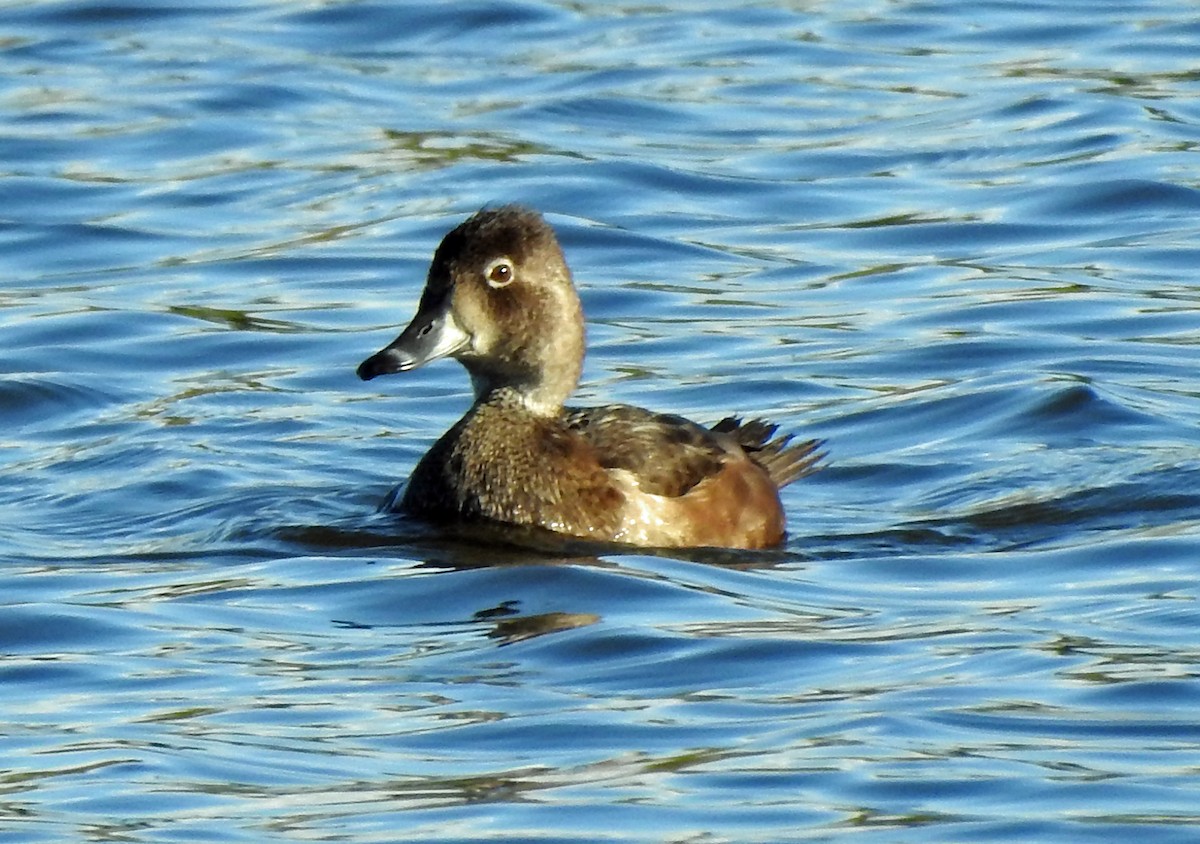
{"x":958,"y":241}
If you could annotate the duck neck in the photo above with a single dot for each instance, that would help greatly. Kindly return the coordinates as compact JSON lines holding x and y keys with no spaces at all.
{"x":542,"y":393}
{"x":543,"y":384}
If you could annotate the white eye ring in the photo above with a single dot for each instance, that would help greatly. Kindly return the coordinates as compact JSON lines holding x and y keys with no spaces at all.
{"x":499,"y":273}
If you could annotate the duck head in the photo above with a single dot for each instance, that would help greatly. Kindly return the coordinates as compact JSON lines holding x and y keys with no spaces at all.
{"x":499,"y":299}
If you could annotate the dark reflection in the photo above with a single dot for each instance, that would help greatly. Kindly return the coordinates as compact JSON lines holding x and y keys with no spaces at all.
{"x":519,"y":629}
{"x":238,"y":320}
{"x":467,"y":545}
{"x":441,"y":149}
{"x":509,"y":626}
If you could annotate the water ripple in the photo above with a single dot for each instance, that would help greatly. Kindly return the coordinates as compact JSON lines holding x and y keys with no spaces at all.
{"x":954,"y":241}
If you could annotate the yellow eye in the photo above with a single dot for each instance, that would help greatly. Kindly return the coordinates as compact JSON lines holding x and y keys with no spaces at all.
{"x":499,"y":272}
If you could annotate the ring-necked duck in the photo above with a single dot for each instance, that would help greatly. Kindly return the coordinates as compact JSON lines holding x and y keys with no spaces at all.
{"x":499,"y":299}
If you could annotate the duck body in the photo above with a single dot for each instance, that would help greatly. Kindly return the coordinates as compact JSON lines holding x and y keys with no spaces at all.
{"x":499,"y":298}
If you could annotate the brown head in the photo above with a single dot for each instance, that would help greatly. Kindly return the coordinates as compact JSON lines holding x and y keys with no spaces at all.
{"x":499,"y":299}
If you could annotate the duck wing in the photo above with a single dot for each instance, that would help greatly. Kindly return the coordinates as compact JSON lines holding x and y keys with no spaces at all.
{"x":666,"y":454}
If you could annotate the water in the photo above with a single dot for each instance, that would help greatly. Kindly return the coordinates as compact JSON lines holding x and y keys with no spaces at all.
{"x":957,"y":241}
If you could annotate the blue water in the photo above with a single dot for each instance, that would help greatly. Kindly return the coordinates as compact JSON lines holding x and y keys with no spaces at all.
{"x":958,"y":241}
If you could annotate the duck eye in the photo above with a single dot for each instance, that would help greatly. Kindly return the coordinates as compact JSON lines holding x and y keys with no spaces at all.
{"x":499,"y":272}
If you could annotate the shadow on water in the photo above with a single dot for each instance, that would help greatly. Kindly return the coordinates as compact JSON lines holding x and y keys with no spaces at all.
{"x":473,"y":545}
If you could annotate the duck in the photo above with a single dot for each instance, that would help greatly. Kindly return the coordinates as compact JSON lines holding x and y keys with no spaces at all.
{"x":499,"y":298}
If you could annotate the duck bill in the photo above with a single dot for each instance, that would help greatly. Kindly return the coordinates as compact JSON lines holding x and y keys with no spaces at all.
{"x":432,"y":334}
